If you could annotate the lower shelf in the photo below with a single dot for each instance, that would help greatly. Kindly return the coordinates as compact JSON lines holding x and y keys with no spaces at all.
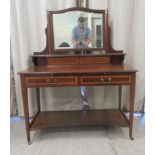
{"x":103,"y":117}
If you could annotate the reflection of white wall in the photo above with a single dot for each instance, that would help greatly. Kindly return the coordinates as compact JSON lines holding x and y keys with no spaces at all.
{"x":64,"y":24}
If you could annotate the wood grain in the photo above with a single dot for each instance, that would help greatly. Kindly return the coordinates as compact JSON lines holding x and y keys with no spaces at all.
{"x":112,"y":117}
{"x":78,"y":69}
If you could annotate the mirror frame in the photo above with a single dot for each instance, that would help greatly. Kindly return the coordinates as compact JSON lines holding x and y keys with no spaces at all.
{"x":51,"y":32}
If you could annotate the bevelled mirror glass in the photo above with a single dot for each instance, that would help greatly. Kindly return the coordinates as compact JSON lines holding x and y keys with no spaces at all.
{"x":78,"y":29}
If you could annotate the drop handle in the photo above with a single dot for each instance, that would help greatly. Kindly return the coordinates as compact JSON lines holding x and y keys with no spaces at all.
{"x":55,"y":80}
{"x":51,"y":80}
{"x":109,"y":79}
{"x":102,"y":79}
{"x":48,"y":80}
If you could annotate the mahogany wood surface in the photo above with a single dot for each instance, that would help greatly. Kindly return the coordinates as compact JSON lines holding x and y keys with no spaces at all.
{"x":26,"y":108}
{"x":78,"y":59}
{"x":46,"y":81}
{"x":80,"y":54}
{"x":76,"y":9}
{"x":112,"y":117}
{"x":120,"y":96}
{"x":38,"y":98}
{"x":105,"y":79}
{"x":75,"y":76}
{"x":78,"y":69}
{"x":132,"y":96}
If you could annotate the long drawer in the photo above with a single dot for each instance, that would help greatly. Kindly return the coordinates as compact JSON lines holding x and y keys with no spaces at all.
{"x":105,"y":79}
{"x":78,"y":60}
{"x":51,"y":81}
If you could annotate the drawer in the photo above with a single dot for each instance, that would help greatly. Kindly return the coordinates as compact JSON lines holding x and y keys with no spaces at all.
{"x":55,"y":81}
{"x":63,"y":61}
{"x":95,"y":60}
{"x":105,"y":79}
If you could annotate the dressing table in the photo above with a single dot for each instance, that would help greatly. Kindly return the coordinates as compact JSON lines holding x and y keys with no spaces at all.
{"x":97,"y":65}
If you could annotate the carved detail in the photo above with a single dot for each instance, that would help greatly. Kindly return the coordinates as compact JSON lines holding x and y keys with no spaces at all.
{"x":46,"y":50}
{"x":108,"y":47}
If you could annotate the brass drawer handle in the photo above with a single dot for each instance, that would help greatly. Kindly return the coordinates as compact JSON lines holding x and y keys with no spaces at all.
{"x":109,"y":79}
{"x":55,"y":80}
{"x":48,"y":80}
{"x":102,"y":79}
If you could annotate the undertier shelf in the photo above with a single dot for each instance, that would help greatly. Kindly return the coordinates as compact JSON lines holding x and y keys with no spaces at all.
{"x":111,"y":117}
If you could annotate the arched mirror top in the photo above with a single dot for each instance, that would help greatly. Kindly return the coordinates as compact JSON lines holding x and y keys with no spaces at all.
{"x":77,"y":29}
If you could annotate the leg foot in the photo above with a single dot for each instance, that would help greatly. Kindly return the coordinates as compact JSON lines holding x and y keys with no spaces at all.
{"x":130,"y":135}
{"x":29,"y":143}
{"x":131,"y":138}
{"x":28,"y":138}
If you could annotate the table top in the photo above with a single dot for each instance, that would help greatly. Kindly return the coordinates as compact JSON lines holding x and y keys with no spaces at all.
{"x":78,"y":69}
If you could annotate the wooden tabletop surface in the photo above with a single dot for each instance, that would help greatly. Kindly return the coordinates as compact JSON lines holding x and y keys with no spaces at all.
{"x":78,"y":69}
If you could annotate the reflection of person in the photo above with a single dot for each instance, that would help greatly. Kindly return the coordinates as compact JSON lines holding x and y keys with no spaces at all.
{"x":81,"y":34}
{"x":81,"y":37}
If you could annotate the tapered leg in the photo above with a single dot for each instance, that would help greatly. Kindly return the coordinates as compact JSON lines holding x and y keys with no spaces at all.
{"x":120,"y":96}
{"x":26,"y":113}
{"x":38,"y":98}
{"x":132,"y":96}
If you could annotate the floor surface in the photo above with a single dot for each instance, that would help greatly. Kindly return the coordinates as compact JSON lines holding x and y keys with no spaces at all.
{"x":78,"y":141}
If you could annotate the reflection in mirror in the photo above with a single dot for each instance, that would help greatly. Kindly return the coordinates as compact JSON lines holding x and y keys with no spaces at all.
{"x":78,"y":29}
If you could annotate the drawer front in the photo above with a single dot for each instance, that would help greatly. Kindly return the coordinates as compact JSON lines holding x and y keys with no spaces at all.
{"x":94,"y":60}
{"x":63,"y":61}
{"x":54,"y":81}
{"x":110,"y":79}
{"x":78,"y":60}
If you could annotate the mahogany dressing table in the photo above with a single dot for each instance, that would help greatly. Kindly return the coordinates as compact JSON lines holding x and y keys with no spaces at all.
{"x":97,"y":65}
